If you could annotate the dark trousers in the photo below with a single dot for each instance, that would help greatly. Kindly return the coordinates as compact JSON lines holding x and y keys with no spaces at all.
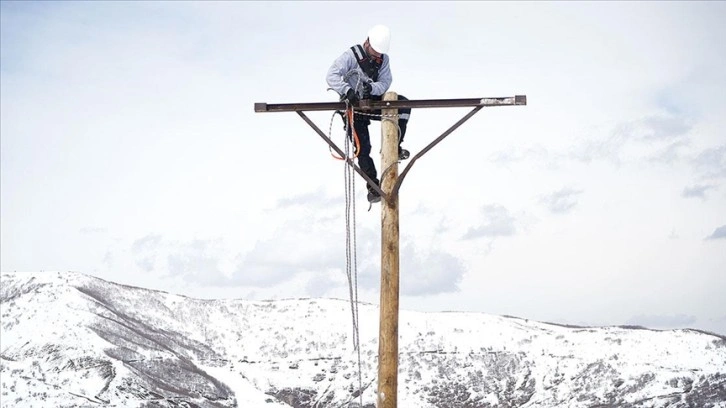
{"x":361,"y":122}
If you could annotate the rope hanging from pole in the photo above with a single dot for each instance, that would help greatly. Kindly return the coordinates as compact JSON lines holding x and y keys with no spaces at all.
{"x":351,"y":254}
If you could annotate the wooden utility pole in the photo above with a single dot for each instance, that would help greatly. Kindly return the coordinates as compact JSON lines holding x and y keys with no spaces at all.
{"x":387,"y":396}
{"x":388,"y":333}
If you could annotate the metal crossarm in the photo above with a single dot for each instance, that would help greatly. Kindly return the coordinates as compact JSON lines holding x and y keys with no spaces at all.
{"x":374,"y":105}
{"x":371,"y":105}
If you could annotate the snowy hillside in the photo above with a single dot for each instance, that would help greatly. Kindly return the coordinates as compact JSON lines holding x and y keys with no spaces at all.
{"x":70,"y":340}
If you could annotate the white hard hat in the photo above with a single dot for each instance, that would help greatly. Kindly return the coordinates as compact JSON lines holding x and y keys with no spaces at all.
{"x":380,"y":38}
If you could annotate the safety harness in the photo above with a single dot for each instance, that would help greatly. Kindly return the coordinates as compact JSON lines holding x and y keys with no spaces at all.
{"x":367,"y":63}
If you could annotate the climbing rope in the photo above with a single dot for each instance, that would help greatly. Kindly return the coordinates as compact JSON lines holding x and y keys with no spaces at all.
{"x":351,"y":253}
{"x":348,"y":118}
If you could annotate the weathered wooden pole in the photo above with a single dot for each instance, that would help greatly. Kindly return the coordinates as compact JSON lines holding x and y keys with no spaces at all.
{"x":388,"y":333}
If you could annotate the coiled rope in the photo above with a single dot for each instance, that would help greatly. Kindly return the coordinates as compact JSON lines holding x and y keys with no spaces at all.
{"x":351,"y":244}
{"x":352,"y":262}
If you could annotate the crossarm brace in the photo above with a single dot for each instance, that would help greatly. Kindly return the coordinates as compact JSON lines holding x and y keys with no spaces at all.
{"x":365,"y":105}
{"x":348,"y":160}
{"x":430,"y":146}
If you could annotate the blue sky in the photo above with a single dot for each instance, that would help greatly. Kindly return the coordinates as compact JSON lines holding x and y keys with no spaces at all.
{"x":131,"y":151}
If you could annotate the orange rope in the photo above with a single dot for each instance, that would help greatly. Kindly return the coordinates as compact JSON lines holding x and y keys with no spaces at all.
{"x":349,"y":113}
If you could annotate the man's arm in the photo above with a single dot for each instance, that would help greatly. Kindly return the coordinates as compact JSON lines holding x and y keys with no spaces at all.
{"x":336,"y":74}
{"x":384,"y":78}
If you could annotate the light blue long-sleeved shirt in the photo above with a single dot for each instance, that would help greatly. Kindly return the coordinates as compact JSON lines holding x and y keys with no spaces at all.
{"x":345,"y":73}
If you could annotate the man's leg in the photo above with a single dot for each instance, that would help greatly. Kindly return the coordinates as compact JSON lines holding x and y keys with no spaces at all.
{"x":403,"y":115}
{"x":364,"y":156}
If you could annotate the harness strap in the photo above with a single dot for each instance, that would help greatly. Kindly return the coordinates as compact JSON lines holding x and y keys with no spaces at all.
{"x":367,"y":64}
{"x":359,"y":52}
{"x":349,"y":118}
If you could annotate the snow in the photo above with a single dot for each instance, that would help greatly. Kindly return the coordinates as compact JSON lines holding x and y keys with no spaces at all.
{"x":246,"y":394}
{"x":492,"y":101}
{"x":63,"y":333}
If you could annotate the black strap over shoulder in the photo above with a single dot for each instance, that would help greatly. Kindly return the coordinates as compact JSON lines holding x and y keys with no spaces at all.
{"x":369,"y":65}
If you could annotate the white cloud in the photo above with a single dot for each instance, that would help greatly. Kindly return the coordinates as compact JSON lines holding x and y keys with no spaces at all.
{"x":431,"y":273}
{"x":711,"y":162}
{"x":146,"y":251}
{"x":561,"y":201}
{"x":697,"y":191}
{"x":196,"y":262}
{"x":291,"y":251}
{"x":150,"y":242}
{"x":636,"y":139}
{"x":498,"y":222}
{"x":718,"y":233}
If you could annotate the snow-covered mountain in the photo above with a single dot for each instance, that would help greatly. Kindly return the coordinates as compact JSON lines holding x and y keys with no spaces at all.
{"x":71,"y":340}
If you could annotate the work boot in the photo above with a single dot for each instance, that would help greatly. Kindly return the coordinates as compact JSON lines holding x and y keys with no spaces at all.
{"x":403,"y":154}
{"x":373,"y":196}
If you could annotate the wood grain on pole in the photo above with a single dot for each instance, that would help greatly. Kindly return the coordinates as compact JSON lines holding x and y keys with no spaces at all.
{"x":388,"y":335}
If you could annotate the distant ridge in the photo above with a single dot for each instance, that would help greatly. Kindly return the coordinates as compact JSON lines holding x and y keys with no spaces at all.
{"x":72,"y":340}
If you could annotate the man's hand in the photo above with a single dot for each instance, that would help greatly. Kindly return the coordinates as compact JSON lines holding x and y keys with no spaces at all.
{"x":366,"y":90}
{"x":351,"y":96}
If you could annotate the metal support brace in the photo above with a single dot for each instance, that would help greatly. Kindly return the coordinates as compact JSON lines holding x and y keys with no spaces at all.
{"x":369,"y":105}
{"x":430,"y":146}
{"x":348,"y":160}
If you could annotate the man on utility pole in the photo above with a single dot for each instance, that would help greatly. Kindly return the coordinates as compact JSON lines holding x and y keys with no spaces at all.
{"x":373,"y":78}
{"x":363,"y":72}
